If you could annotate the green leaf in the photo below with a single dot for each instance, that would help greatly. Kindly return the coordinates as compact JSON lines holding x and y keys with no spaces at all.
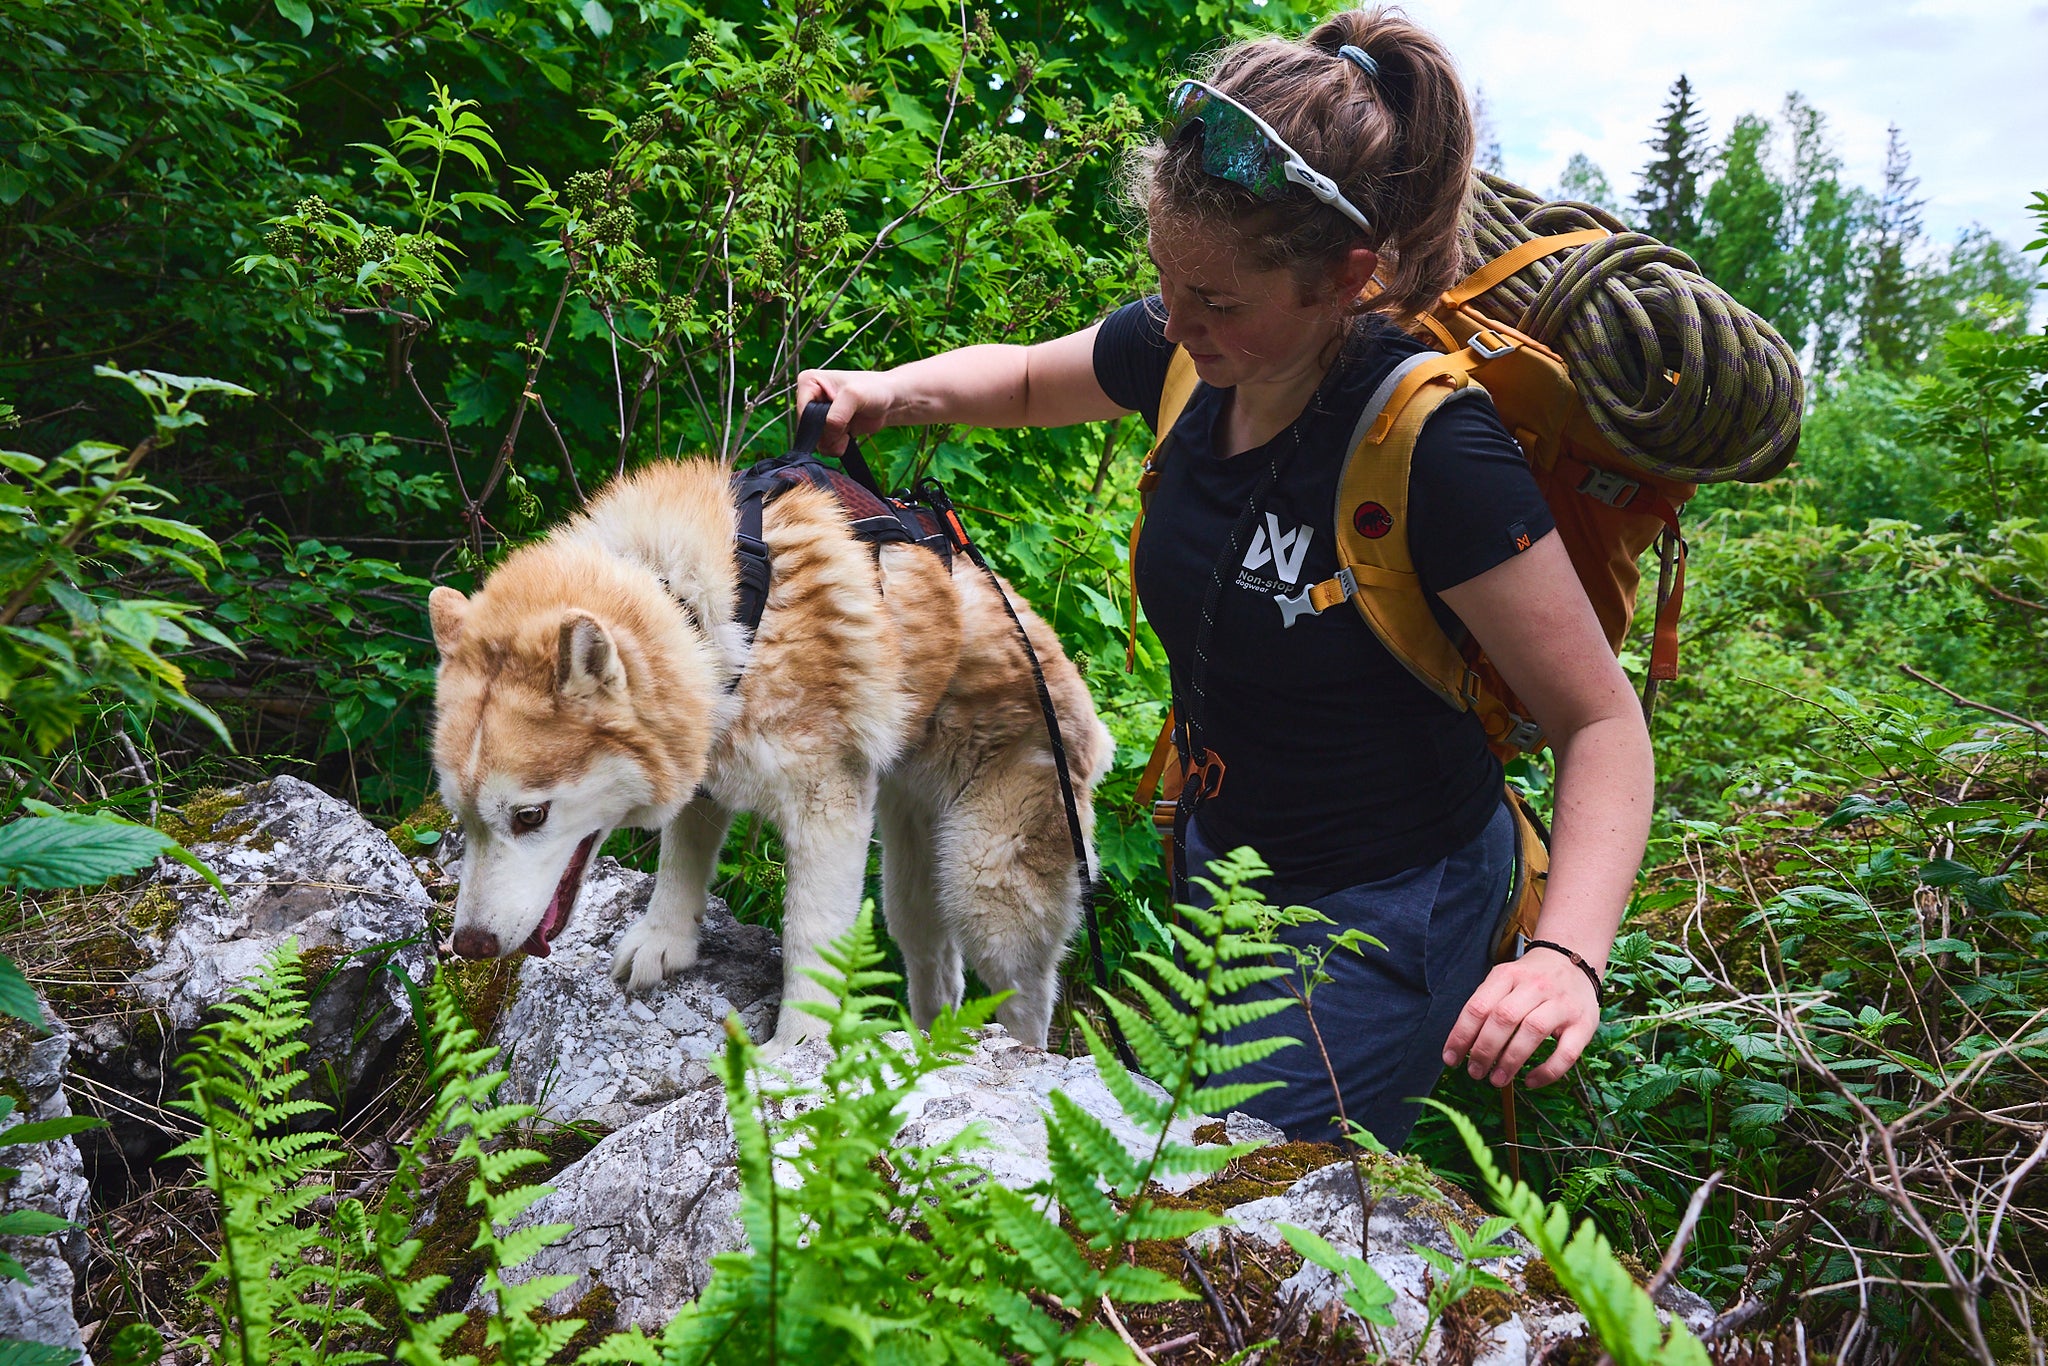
{"x":17,"y":997}
{"x":69,"y":849}
{"x":598,"y":17}
{"x":136,"y":1345}
{"x":31,"y":1223}
{"x":14,"y":1352}
{"x":43,"y":1130}
{"x":298,"y":12}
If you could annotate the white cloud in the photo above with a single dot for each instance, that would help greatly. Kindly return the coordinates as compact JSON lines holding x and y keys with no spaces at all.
{"x":1964,"y":82}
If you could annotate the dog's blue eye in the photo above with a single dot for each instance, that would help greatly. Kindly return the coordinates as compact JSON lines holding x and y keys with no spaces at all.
{"x":526,"y":818}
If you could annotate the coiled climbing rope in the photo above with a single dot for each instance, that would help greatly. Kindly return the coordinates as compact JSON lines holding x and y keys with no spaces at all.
{"x":1678,"y":376}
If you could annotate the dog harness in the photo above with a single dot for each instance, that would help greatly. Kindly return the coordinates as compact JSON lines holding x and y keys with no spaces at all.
{"x":876,"y":518}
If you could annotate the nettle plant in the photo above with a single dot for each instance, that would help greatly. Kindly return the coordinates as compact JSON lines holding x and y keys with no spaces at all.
{"x":796,"y":197}
{"x":86,"y":560}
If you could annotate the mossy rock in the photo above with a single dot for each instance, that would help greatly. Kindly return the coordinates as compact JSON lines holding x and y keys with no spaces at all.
{"x":203,"y":819}
{"x":420,"y":832}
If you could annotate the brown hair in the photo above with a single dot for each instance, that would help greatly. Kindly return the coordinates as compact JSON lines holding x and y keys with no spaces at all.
{"x":1398,"y":144}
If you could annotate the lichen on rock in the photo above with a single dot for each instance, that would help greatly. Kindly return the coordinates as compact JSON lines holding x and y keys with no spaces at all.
{"x":297,"y":864}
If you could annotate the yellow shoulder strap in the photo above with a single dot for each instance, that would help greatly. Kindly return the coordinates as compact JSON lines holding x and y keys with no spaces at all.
{"x":1377,"y":573}
{"x":1173,"y":400}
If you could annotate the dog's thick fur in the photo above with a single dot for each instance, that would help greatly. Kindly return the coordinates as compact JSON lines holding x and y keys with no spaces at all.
{"x":588,"y":678}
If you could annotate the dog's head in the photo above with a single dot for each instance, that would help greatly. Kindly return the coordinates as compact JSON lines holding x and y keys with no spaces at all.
{"x":573,"y":697}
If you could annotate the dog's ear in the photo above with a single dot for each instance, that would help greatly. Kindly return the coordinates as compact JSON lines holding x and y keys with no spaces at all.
{"x":445,"y":609}
{"x":588,"y":663}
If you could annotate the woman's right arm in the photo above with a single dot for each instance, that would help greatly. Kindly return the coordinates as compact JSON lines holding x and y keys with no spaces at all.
{"x":1051,"y":384}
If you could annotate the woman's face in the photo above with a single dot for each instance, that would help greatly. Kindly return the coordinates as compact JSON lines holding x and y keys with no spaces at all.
{"x":1242,"y":325}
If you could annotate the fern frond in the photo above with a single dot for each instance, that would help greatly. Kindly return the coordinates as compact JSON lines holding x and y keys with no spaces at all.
{"x":1148,"y":1222}
{"x":1052,"y":1257}
{"x":1619,"y":1311}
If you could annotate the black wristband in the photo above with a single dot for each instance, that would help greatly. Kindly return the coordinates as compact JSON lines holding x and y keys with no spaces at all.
{"x":1599,"y":996}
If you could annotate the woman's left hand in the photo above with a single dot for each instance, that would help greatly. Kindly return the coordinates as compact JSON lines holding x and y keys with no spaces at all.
{"x":1542,"y":995}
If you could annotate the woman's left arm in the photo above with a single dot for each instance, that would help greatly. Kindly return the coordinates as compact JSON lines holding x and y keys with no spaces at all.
{"x":1533,"y":619}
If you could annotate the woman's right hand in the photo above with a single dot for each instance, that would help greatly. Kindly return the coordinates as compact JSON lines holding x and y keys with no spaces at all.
{"x":861,"y":400}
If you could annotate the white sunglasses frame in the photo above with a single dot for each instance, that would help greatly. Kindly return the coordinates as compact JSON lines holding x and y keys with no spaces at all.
{"x":1297,"y":170}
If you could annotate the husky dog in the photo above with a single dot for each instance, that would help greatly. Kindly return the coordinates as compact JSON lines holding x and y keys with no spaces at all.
{"x":598,"y":680}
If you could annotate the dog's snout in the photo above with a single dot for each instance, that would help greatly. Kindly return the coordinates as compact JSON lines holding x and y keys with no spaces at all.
{"x":472,"y":942}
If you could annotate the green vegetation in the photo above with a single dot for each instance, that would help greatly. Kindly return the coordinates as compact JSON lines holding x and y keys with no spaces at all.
{"x":453,"y":265}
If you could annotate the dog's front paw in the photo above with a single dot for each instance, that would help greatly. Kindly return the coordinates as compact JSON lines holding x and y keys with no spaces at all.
{"x":651,"y":951}
{"x":780,"y":1044}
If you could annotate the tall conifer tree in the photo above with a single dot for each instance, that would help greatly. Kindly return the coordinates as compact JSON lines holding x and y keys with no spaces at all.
{"x":1892,"y":315}
{"x":1668,"y":200}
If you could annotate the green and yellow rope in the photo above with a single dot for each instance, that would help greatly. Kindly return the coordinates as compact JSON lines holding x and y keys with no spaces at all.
{"x":1680,"y":378}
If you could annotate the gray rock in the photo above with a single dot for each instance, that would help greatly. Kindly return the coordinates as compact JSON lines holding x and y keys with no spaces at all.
{"x":654,"y":1202}
{"x":581,"y":1049}
{"x":297,"y":863}
{"x":52,"y":1181}
{"x":1325,"y":1202}
{"x":657,"y":1199}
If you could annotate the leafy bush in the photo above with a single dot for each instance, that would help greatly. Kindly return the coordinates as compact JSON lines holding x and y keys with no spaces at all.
{"x":1837,"y":999}
{"x":80,"y":543}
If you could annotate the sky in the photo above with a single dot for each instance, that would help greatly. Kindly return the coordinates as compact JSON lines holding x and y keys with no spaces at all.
{"x":1965,"y":82}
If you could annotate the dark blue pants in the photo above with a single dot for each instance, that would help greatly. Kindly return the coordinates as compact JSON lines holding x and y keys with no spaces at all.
{"x":1385,"y":1014}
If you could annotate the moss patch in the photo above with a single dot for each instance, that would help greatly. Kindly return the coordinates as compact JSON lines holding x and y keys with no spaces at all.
{"x":153,"y":910}
{"x":1541,"y":1281}
{"x":430,"y":818}
{"x":316,"y":963}
{"x":483,"y":988}
{"x":1262,"y":1172}
{"x":197,"y":821}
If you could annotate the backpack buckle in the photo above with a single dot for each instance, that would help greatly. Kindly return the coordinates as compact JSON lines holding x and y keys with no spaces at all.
{"x":1524,"y":735}
{"x":1605,"y":486}
{"x":1485,"y":350}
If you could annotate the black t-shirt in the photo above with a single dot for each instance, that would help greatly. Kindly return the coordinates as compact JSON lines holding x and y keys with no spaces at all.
{"x":1340,"y":767}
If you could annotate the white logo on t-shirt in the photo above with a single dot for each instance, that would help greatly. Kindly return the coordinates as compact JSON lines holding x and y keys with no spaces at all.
{"x":1286,"y":550}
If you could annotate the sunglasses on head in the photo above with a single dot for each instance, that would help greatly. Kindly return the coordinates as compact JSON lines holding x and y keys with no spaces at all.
{"x":1242,"y":148}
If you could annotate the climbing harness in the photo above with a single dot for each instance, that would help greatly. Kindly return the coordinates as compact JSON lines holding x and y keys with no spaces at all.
{"x":925,"y":516}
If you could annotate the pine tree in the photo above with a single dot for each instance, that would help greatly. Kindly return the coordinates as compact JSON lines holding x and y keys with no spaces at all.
{"x":1584,"y":182}
{"x":1891,"y":322}
{"x":1668,"y":200}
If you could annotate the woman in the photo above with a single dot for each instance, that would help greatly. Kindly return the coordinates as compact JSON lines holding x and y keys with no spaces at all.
{"x":1369,"y":798}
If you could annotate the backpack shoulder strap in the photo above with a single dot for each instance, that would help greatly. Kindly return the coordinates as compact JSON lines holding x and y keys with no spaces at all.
{"x":1173,"y":401}
{"x":1378,"y":572}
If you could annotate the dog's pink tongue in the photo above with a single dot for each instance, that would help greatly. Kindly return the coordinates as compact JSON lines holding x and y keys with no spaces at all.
{"x":537,"y":943}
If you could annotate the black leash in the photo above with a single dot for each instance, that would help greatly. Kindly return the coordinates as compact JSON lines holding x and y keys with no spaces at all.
{"x":758,"y":483}
{"x":931,"y":494}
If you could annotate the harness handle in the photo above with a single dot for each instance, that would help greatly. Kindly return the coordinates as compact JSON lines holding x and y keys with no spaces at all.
{"x":810,"y":429}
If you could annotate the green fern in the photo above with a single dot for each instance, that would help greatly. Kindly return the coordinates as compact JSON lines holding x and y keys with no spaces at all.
{"x":1618,"y":1310}
{"x":867,"y":1250}
{"x":1224,"y":949}
{"x":462,"y":1087}
{"x":288,"y":1288}
{"x":282,"y":1288}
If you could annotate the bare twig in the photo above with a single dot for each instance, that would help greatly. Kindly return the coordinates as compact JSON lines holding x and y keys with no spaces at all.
{"x":1223,"y":1317}
{"x":1109,"y":1312}
{"x":2018,"y":720}
{"x":1669,"y":1266}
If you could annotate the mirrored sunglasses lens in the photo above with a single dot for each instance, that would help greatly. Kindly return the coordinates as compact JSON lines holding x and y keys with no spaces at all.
{"x":1234,"y":149}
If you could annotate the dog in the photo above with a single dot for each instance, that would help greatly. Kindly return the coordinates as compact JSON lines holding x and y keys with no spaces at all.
{"x":598,"y":680}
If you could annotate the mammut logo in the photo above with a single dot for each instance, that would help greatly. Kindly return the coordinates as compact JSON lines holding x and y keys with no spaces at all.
{"x":1286,"y":549}
{"x":1372,"y":521}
